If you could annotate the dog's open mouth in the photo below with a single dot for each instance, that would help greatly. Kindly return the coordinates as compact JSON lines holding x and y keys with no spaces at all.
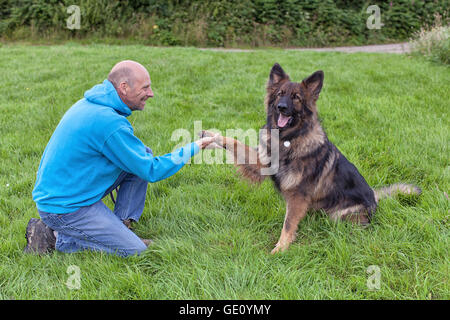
{"x":283,"y":120}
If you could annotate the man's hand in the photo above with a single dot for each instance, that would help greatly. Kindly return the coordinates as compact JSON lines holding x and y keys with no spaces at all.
{"x":207,"y":142}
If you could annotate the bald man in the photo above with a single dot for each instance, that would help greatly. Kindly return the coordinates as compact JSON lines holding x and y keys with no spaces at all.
{"x":92,"y":152}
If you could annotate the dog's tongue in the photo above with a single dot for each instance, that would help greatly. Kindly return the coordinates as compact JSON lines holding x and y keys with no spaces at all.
{"x":283,"y":120}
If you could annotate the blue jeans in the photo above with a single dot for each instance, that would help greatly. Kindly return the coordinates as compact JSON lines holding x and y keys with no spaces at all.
{"x":97,"y":228}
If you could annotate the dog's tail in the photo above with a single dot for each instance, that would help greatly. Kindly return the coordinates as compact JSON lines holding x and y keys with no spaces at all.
{"x":395,"y":189}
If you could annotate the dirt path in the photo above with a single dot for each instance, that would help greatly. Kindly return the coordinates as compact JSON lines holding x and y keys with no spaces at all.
{"x":379,"y":48}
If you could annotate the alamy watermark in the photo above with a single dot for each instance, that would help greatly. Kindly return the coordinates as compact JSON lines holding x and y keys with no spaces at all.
{"x":74,"y":20}
{"x":266,"y":153}
{"x":74,"y":280}
{"x":374,"y":279}
{"x":374,"y":20}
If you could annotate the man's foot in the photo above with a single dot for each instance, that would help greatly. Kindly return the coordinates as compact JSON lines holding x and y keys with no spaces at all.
{"x":147,"y":242}
{"x":127,"y":223}
{"x":40,"y":238}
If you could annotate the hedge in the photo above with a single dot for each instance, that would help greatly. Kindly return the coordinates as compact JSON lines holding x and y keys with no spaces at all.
{"x":220,"y":22}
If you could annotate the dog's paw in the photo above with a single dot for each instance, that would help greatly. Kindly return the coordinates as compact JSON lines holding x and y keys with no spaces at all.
{"x":206,"y":133}
{"x":217,"y":141}
{"x":213,"y":146}
{"x":279,"y":248}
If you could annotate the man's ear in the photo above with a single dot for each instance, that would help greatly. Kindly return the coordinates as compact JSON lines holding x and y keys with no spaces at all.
{"x":314,"y":83}
{"x":277,"y":75}
{"x":123,"y":87}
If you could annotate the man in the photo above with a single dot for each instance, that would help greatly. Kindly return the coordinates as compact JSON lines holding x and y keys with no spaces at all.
{"x":92,"y":152}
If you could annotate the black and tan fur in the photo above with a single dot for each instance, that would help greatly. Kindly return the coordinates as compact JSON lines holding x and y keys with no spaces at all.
{"x":313,"y":173}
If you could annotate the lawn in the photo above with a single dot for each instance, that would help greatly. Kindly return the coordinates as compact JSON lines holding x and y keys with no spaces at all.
{"x":213,"y":232}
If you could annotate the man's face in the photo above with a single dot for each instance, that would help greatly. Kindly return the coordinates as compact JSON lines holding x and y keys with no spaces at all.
{"x":138,"y":93}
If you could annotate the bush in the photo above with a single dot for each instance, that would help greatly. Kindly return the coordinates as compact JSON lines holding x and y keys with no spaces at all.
{"x":221,"y":22}
{"x":433,"y":43}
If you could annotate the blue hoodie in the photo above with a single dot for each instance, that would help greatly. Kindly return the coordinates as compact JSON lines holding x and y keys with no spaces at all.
{"x":92,"y":144}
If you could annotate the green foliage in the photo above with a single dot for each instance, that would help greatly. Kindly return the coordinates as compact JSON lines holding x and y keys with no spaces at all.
{"x":221,"y":22}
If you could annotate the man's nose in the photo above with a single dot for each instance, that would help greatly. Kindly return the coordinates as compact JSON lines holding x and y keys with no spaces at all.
{"x":150,"y":93}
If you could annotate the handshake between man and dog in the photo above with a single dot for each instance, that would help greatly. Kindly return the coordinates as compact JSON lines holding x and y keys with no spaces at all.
{"x":311,"y":173}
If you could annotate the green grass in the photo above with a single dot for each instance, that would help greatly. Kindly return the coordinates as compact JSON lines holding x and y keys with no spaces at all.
{"x":389,"y":114}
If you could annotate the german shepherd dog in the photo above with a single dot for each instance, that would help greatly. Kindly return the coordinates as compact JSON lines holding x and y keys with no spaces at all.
{"x":312,"y":173}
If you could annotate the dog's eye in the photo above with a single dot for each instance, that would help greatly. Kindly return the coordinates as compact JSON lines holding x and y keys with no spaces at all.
{"x":297,"y":97}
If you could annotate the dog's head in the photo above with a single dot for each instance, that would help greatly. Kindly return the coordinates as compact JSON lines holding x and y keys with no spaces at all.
{"x":289,"y":104}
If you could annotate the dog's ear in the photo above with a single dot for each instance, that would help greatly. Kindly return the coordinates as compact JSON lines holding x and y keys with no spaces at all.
{"x":277,"y":75}
{"x":314,"y":84}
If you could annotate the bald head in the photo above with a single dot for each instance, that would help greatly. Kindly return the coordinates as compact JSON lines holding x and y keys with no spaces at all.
{"x":127,"y":71}
{"x":132,"y":83}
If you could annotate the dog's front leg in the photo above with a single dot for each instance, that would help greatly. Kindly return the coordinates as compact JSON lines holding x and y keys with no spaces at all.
{"x":241,"y":152}
{"x":296,"y":209}
{"x":245,"y":157}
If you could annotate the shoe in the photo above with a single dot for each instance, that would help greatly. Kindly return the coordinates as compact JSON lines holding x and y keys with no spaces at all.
{"x":40,"y":238}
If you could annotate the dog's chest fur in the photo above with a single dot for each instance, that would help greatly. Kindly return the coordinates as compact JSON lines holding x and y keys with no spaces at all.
{"x":296,"y":158}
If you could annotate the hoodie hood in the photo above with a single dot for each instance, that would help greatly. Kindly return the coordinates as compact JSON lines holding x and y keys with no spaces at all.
{"x":106,"y":95}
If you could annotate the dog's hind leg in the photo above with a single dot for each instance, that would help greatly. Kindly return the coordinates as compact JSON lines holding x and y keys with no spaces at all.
{"x":356,"y":214}
{"x":296,"y":209}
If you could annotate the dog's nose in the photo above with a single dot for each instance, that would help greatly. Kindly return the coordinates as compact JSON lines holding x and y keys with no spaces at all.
{"x":282,"y":106}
